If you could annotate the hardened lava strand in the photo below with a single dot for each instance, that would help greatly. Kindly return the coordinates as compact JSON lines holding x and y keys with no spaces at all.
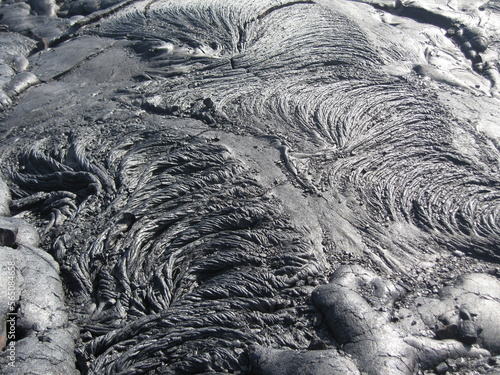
{"x":347,"y":124}
{"x":183,"y":241}
{"x":197,"y":168}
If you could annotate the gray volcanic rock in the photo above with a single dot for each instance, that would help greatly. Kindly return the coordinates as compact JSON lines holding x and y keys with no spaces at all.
{"x":287,"y":362}
{"x":250,"y":187}
{"x":357,"y":303}
{"x":33,"y":298}
{"x":13,"y":62}
{"x":471,"y":305}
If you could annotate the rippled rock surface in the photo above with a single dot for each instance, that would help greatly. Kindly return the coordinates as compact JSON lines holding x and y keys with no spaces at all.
{"x":250,"y":187}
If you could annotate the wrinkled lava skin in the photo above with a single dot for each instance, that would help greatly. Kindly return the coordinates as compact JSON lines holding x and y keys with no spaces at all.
{"x":251,"y":187}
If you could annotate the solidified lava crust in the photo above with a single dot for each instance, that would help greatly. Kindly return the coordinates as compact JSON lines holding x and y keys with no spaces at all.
{"x":249,"y":187}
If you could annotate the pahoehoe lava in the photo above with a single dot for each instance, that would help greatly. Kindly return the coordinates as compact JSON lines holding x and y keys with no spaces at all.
{"x":293,"y":67}
{"x":248,"y":187}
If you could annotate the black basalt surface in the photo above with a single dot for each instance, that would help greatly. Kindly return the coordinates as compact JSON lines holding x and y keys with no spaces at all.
{"x":250,"y":187}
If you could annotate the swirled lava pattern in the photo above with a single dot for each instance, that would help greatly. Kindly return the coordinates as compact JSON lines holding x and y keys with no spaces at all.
{"x":198,"y":168}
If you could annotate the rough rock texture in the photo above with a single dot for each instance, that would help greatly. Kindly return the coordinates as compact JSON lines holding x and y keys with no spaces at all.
{"x":250,"y":187}
{"x":32,"y":296}
{"x":269,"y":361}
{"x":467,"y":310}
{"x":357,"y":306}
